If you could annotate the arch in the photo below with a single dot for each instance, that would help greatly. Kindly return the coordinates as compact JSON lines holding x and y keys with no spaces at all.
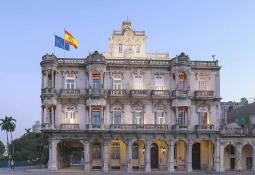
{"x":202,"y":155}
{"x":117,"y":154}
{"x":180,"y":152}
{"x":154,"y":156}
{"x":229,"y":157}
{"x":96,"y":154}
{"x":247,"y":157}
{"x":138,"y":154}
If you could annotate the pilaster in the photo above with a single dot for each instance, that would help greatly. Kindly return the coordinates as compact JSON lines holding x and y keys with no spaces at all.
{"x":171,"y":156}
{"x":148,"y":156}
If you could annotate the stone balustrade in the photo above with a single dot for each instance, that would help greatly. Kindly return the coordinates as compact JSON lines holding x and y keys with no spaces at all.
{"x":204,"y":127}
{"x":139,"y":127}
{"x":69,"y":126}
{"x":204,"y":94}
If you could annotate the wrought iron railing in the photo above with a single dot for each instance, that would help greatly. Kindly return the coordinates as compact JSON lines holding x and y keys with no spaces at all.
{"x":160,"y":93}
{"x":204,"y":127}
{"x":117,"y":92}
{"x":180,"y":93}
{"x":70,"y":91}
{"x":179,"y":127}
{"x":139,"y":126}
{"x":204,"y":94}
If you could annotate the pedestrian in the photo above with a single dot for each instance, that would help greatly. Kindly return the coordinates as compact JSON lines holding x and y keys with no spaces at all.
{"x":12,"y":164}
{"x":9,"y":164}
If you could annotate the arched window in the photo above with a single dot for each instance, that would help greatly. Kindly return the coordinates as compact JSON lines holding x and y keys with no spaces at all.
{"x":70,"y":115}
{"x":138,"y":115}
{"x":120,"y":48}
{"x":96,"y":80}
{"x":116,"y":116}
{"x":135,"y":153}
{"x":96,"y":150}
{"x":115,"y":150}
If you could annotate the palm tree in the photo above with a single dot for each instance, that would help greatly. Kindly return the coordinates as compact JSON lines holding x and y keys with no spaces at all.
{"x":8,"y":125}
{"x":27,"y":131}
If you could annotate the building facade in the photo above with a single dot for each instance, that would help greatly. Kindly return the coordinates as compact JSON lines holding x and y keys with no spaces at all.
{"x":132,"y":110}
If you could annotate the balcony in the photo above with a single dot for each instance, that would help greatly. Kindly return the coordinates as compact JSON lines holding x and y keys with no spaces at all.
{"x":47,"y":126}
{"x":139,"y":127}
{"x":48,"y":91}
{"x":70,"y":92}
{"x":95,"y":126}
{"x":178,"y":127}
{"x":204,"y":94}
{"x":160,"y":93}
{"x":97,"y":92}
{"x":117,"y":92}
{"x":139,"y":93}
{"x":180,"y":93}
{"x":238,"y":131}
{"x":205,"y":127}
{"x":68,"y":126}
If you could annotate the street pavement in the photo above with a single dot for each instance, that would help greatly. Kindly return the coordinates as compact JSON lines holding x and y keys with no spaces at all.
{"x":72,"y":171}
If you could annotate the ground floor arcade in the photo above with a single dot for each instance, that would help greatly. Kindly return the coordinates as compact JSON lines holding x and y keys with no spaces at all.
{"x":135,"y":153}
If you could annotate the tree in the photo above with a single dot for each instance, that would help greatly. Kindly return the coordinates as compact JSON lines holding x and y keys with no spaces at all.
{"x":8,"y":125}
{"x":27,"y":131}
{"x":2,"y":148}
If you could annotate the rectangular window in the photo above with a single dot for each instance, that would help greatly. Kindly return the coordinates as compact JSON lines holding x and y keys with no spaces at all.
{"x":115,"y":151}
{"x":116,"y":116}
{"x":159,"y":118}
{"x":96,"y":84}
{"x":70,"y":117}
{"x":181,"y":117}
{"x":138,"y":117}
{"x":117,"y":84}
{"x":159,"y":82}
{"x":70,"y":84}
{"x":96,"y":115}
{"x":203,"y":85}
{"x":203,"y":118}
{"x":135,"y":151}
{"x":138,"y":82}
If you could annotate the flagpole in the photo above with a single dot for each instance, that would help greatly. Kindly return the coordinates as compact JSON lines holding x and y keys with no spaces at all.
{"x":54,"y":43}
{"x":64,"y":44}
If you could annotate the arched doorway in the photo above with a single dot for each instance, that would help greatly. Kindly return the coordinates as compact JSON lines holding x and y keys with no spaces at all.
{"x":180,"y":150}
{"x":246,"y":157}
{"x":202,"y":155}
{"x":154,"y":156}
{"x":229,"y":157}
{"x":96,"y":154}
{"x":117,"y":154}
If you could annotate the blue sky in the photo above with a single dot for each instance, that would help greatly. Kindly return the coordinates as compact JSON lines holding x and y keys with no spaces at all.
{"x":200,"y":28}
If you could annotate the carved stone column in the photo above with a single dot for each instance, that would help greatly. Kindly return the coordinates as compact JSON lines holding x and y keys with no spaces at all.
{"x":86,"y":156}
{"x":238,"y":156}
{"x":46,"y":79}
{"x":53,"y":159}
{"x":189,"y":156}
{"x":148,"y":156}
{"x":217,"y":155}
{"x":105,"y":152}
{"x":222,"y":158}
{"x":129,"y":157}
{"x":171,"y":156}
{"x":189,"y":117}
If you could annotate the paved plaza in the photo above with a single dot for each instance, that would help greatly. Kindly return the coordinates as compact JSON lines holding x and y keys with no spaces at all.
{"x":40,"y":171}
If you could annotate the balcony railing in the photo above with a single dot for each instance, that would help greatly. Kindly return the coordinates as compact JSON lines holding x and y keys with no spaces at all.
{"x":47,"y":126}
{"x":95,"y":126}
{"x":180,"y":127}
{"x":204,"y":127}
{"x":97,"y":92}
{"x":238,"y":131}
{"x":139,"y":93}
{"x":117,"y":92}
{"x":180,"y":93}
{"x":139,"y":126}
{"x":48,"y":91}
{"x":160,"y":93}
{"x":70,"y":92}
{"x":68,"y":126}
{"x":204,"y":94}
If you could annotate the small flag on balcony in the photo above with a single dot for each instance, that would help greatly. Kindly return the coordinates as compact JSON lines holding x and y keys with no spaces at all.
{"x":60,"y":42}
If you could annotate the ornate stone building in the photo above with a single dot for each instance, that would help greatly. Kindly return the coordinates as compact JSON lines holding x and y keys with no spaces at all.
{"x":132,"y":110}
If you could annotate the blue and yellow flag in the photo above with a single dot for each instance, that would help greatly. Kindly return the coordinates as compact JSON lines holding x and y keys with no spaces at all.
{"x":60,"y":42}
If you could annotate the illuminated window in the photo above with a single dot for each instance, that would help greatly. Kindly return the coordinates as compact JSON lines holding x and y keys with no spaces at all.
{"x":117,"y":81}
{"x":138,"y":116}
{"x":116,"y":119}
{"x":203,"y":118}
{"x":159,"y":82}
{"x":159,"y":117}
{"x":182,"y":80}
{"x":115,"y":151}
{"x":96,"y":80}
{"x":70,"y":115}
{"x":138,"y":82}
{"x":96,"y":151}
{"x":96,"y":115}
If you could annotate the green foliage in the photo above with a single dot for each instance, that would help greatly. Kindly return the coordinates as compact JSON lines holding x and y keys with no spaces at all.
{"x":31,"y":147}
{"x":2,"y":148}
